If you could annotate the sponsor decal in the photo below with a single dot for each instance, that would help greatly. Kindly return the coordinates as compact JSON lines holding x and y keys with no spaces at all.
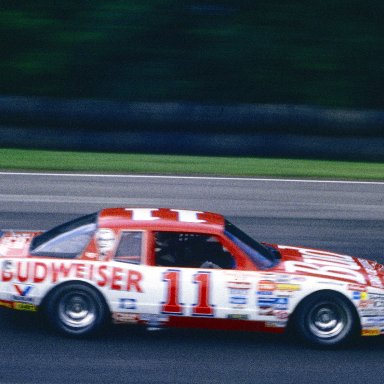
{"x":237,"y":316}
{"x":272,"y":306}
{"x":25,"y":307}
{"x":238,"y":286}
{"x":369,"y":311}
{"x":282,"y":279}
{"x":365,"y":303}
{"x":266,"y":302}
{"x":124,"y":318}
{"x":372,"y":321}
{"x":238,"y":300}
{"x":275,"y":324}
{"x":376,"y":296}
{"x":281,"y":303}
{"x":356,"y":295}
{"x":276,"y":302}
{"x":239,"y":293}
{"x":378,"y":304}
{"x":288,"y":287}
{"x":265,"y":311}
{"x":23,"y":292}
{"x":363,"y":296}
{"x":266,"y":285}
{"x":127,"y":304}
{"x":371,"y":305}
{"x":105,"y":276}
{"x":370,"y":332}
{"x":325,"y":264}
{"x":153,"y":320}
{"x":281,"y":314}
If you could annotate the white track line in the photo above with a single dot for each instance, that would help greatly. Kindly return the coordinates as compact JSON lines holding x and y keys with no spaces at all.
{"x":189,"y":178}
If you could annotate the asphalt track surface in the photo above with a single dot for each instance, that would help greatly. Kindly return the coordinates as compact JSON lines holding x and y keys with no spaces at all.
{"x":341,"y":217}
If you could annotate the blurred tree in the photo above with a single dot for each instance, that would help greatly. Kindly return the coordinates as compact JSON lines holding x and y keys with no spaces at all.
{"x":265,"y":51}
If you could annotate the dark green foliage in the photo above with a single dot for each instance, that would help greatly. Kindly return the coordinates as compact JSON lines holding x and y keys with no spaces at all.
{"x":328,"y":52}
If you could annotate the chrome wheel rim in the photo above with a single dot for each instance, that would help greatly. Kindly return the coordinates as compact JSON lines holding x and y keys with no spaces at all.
{"x":327,"y":320}
{"x":77,"y":310}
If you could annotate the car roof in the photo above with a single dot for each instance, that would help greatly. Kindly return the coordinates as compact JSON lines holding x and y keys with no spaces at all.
{"x":161,"y":219}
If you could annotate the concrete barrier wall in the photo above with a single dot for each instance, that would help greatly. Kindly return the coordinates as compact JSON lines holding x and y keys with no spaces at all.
{"x":242,"y":130}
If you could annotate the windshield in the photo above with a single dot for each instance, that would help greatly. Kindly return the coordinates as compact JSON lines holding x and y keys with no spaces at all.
{"x":67,"y":240}
{"x":263,"y":257}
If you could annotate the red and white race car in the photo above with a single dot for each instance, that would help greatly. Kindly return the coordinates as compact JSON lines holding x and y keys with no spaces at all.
{"x":179,"y":268}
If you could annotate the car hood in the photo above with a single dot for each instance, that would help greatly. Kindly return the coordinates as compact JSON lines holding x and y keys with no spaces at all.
{"x":15,"y":244}
{"x":333,"y":266}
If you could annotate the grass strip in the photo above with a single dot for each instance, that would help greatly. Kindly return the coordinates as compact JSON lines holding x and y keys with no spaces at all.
{"x":90,"y":162}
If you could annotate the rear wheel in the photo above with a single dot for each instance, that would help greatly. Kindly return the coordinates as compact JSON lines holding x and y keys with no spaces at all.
{"x":326,"y":319}
{"x":76,"y":310}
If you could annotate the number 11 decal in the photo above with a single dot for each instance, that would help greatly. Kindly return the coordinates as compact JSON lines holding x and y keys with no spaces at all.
{"x":172,"y":304}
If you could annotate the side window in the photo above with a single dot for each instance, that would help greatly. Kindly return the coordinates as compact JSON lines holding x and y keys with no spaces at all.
{"x":191,"y":250}
{"x":129,"y":249}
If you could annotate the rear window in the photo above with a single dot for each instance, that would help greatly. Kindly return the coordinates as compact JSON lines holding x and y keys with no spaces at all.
{"x":66,"y":240}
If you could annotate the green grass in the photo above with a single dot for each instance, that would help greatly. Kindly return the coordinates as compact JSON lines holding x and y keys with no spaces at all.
{"x":37,"y":160}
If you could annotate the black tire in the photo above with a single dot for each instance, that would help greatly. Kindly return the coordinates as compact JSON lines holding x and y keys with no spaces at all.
{"x":326,"y":319}
{"x":76,"y":310}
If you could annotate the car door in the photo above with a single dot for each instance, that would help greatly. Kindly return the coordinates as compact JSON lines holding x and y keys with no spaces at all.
{"x":198,"y":277}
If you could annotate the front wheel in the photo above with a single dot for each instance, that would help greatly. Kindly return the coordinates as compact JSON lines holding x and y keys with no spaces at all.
{"x":76,"y":310}
{"x":326,"y":319}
